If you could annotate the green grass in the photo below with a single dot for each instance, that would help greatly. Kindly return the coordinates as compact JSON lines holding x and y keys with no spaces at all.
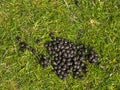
{"x":98,"y":24}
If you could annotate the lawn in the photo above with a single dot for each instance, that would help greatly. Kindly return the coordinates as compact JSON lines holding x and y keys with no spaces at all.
{"x":91,"y":22}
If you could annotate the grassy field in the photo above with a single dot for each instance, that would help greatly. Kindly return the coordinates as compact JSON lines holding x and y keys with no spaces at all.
{"x":92,"y":22}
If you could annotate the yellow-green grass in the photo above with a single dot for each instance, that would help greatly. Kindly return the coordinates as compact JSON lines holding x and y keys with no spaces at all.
{"x":98,"y":24}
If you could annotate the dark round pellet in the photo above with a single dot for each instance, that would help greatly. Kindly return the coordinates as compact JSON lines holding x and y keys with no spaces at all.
{"x":23,"y":46}
{"x":37,"y":41}
{"x":18,"y":38}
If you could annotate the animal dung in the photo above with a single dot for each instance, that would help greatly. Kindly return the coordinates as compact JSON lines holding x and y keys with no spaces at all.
{"x":65,"y":57}
{"x":68,"y":57}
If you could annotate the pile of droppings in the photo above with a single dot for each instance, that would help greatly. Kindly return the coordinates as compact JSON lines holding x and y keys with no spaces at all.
{"x":66,"y":57}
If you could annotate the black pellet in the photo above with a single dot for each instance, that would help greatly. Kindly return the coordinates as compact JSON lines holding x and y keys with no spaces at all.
{"x":18,"y":38}
{"x":23,"y":46}
{"x":37,"y":41}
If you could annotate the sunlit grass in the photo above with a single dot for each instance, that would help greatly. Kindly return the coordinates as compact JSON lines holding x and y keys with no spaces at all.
{"x":98,"y":24}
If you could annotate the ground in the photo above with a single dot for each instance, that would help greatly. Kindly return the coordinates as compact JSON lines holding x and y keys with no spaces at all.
{"x":92,"y":22}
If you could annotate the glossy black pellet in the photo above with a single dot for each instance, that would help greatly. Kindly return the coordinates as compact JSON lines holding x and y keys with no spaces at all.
{"x":18,"y":38}
{"x":23,"y":46}
{"x":37,"y":41}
